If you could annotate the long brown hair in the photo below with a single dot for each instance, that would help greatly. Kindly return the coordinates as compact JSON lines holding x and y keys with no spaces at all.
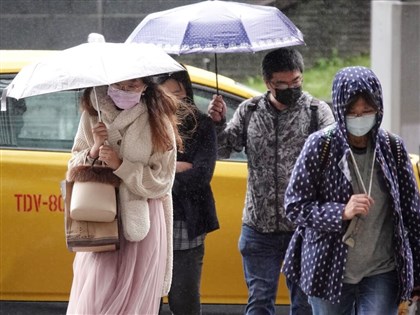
{"x":161,"y":106}
{"x":188,"y":112}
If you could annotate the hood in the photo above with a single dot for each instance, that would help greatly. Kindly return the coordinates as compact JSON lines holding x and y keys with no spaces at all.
{"x":349,"y":82}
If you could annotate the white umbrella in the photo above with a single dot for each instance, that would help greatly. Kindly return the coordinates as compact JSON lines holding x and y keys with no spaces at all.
{"x":89,"y":65}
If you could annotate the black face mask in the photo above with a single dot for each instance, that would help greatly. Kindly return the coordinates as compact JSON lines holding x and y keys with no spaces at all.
{"x":288,"y":96}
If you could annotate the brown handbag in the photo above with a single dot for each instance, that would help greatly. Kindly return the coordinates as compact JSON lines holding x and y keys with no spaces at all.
{"x":89,"y":236}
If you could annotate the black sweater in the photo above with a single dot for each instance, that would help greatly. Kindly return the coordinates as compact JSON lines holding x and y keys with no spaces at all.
{"x":192,"y":195}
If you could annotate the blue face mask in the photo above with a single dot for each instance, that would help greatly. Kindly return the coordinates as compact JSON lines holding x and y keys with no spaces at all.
{"x":359,"y":126}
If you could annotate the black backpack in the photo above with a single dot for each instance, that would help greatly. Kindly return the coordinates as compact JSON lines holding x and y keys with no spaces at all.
{"x":313,"y":126}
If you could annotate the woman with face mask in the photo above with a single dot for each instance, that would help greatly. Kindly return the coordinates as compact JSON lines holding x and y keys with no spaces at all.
{"x":193,"y":202}
{"x":356,"y":205}
{"x":135,"y":134}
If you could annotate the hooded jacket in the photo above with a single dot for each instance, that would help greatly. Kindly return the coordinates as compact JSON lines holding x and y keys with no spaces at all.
{"x":316,"y":197}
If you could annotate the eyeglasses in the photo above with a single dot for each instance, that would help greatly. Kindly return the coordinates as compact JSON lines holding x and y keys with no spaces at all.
{"x":364,"y":113}
{"x":281,"y":85}
{"x":130,"y":87}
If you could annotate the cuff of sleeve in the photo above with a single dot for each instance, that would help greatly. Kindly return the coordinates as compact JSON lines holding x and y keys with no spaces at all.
{"x":220,"y":126}
{"x":125,"y":169}
{"x":220,"y":123}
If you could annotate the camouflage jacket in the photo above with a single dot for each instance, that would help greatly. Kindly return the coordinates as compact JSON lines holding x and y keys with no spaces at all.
{"x":274,"y":140}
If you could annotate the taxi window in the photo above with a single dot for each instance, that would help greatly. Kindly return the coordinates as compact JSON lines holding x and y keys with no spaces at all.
{"x":49,"y":121}
{"x":203,"y":96}
{"x":44,"y":122}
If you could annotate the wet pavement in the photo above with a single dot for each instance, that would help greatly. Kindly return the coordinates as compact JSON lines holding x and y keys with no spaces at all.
{"x":59,"y":308}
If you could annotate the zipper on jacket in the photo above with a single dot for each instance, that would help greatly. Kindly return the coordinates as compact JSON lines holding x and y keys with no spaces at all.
{"x":276,"y":182}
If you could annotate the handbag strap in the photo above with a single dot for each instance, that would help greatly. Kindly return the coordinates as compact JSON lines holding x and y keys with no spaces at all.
{"x":100,"y":163}
{"x":94,"y":160}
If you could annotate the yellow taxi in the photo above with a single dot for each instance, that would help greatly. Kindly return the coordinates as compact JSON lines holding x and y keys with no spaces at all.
{"x":36,"y":135}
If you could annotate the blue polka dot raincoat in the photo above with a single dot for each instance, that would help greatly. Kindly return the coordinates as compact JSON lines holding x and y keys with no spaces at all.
{"x":319,"y":190}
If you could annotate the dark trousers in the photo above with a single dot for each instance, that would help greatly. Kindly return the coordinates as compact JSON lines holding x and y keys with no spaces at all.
{"x":262,"y":257}
{"x":184,"y":296}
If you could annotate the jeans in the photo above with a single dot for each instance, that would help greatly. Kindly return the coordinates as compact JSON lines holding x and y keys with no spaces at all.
{"x":373,"y":295}
{"x":262,"y":257}
{"x":299,"y":301}
{"x":184,"y":295}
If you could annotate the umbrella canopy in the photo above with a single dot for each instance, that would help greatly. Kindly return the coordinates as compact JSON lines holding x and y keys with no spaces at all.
{"x":217,"y":27}
{"x":88,"y":65}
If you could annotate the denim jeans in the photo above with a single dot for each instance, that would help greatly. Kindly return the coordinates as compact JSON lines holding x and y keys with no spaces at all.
{"x":262,"y":257}
{"x":371,"y":296}
{"x":184,"y":295}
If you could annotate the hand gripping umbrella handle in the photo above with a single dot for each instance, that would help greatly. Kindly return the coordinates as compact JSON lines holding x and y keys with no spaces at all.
{"x":99,"y":112}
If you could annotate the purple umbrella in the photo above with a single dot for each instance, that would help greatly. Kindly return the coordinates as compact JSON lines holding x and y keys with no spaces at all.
{"x":217,"y":27}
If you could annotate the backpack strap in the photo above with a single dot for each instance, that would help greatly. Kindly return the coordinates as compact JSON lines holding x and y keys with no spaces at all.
{"x":326,"y":148}
{"x":250,"y":108}
{"x":314,"y":125}
{"x":252,"y":105}
{"x":395,"y":147}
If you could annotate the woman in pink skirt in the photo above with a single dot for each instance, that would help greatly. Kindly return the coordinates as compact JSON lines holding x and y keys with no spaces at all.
{"x":135,"y":134}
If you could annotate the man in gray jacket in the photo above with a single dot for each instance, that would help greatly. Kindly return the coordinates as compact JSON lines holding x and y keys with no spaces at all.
{"x":273,"y":129}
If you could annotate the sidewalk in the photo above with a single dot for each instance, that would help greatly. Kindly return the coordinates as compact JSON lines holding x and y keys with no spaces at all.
{"x":59,"y":308}
{"x":209,"y":309}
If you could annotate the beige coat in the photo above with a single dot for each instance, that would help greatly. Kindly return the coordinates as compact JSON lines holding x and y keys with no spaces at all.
{"x":144,"y":174}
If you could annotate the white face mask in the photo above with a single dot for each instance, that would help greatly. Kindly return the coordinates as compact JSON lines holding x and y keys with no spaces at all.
{"x":359,"y":126}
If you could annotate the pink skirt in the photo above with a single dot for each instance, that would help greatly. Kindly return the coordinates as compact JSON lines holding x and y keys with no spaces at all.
{"x":128,"y":281}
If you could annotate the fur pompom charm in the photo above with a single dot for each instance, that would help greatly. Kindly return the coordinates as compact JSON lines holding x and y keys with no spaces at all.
{"x":91,"y":173}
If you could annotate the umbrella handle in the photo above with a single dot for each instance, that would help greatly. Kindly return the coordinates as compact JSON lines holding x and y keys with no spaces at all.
{"x":97,"y":105}
{"x":3,"y":100}
{"x":217,"y":79}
